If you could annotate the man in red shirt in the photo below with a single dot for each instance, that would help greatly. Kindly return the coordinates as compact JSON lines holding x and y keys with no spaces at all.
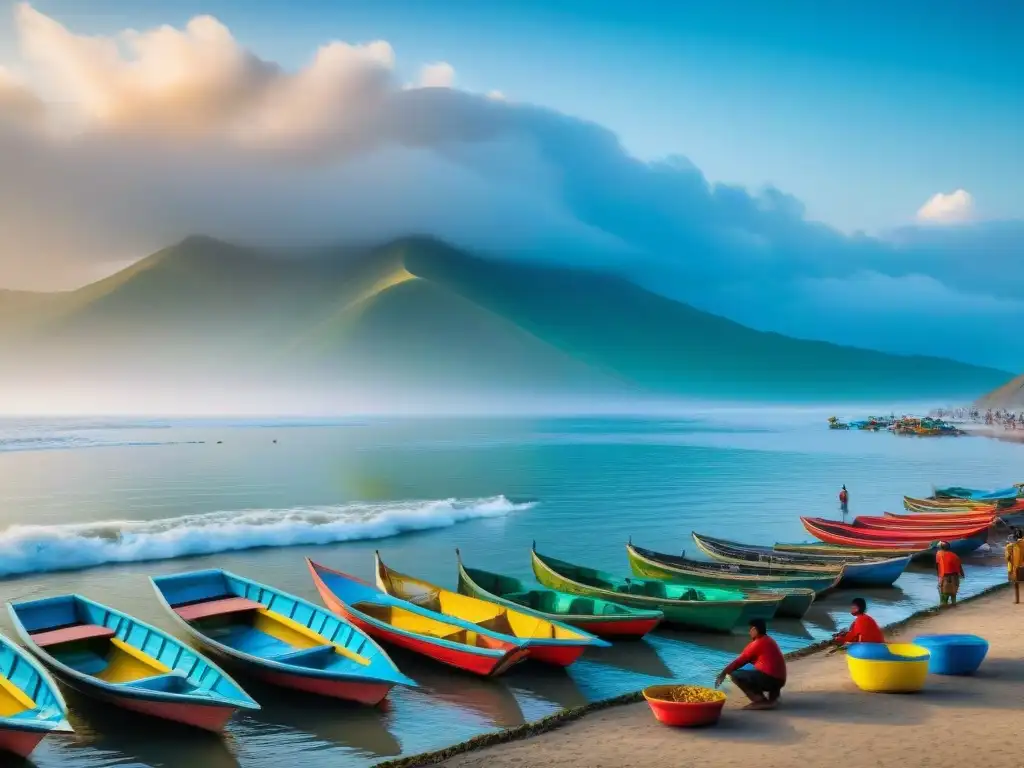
{"x":844,"y":500}
{"x":864,"y":628}
{"x":951,"y":570}
{"x":765,"y":681}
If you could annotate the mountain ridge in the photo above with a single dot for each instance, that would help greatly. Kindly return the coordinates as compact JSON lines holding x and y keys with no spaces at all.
{"x":417,"y":312}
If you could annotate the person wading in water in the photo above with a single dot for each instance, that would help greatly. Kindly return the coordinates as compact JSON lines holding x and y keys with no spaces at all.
{"x":844,"y":500}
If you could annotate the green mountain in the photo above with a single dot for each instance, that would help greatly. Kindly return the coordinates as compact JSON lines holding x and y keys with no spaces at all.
{"x":417,"y":315}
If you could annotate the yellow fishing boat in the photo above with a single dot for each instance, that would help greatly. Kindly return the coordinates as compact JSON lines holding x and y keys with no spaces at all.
{"x":548,"y":641}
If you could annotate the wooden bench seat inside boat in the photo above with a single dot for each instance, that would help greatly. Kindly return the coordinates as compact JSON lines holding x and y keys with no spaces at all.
{"x":69,"y":634}
{"x":221,"y":606}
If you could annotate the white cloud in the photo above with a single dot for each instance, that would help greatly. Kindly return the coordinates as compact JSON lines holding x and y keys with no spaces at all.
{"x":145,"y":137}
{"x":440,"y":74}
{"x":199,"y":81}
{"x":952,"y":208}
{"x":496,"y":95}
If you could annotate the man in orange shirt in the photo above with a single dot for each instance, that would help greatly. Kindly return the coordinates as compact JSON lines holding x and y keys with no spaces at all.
{"x":864,"y":628}
{"x":951,"y":570}
{"x":762,"y":684}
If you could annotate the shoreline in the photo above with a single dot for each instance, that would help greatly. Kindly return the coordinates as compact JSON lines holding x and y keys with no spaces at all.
{"x":567,"y":717}
{"x":994,"y":432}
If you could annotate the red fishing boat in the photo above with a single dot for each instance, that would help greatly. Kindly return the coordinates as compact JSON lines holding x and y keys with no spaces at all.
{"x":961,"y":540}
{"x":915,"y":524}
{"x":458,"y":644}
{"x":939,"y":519}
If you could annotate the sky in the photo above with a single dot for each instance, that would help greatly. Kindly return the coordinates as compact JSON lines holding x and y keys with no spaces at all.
{"x":853,"y":175}
{"x":863,"y":113}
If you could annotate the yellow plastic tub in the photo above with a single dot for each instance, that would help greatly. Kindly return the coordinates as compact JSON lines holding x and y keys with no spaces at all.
{"x":888,"y":667}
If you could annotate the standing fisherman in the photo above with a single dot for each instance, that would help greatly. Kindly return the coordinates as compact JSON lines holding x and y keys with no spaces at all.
{"x":1015,"y":562}
{"x":844,"y":500}
{"x":950,"y":571}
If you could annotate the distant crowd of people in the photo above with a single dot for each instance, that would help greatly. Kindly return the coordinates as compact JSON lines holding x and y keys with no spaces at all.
{"x":992,"y":417}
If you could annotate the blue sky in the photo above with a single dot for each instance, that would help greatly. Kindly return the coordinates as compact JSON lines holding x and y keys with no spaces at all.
{"x":759,"y":141}
{"x":863,"y":114}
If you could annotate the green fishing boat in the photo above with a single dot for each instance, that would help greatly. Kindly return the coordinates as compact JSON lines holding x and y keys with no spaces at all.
{"x":594,"y":615}
{"x":709,"y":609}
{"x":797,"y":590}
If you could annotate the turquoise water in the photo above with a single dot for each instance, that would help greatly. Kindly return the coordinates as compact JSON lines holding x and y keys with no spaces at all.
{"x":198,"y":494}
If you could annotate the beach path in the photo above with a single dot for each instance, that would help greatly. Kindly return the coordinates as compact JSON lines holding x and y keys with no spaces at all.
{"x":824,"y":719}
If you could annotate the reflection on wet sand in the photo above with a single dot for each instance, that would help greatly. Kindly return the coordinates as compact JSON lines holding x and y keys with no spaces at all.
{"x":294,"y":716}
{"x":113,"y":733}
{"x":640,"y":657}
{"x":488,"y":698}
{"x":547,"y":684}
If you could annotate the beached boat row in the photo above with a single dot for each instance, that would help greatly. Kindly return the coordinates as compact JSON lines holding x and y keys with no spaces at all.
{"x":492,"y":623}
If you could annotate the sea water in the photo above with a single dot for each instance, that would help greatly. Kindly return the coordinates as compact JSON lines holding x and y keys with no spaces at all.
{"x":96,"y":506}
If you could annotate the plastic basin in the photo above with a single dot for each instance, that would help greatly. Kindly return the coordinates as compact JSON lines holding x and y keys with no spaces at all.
{"x":954,"y":654}
{"x":888,"y":667}
{"x":683,"y":714}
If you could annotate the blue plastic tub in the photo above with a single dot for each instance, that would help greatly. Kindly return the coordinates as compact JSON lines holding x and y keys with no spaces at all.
{"x":953,"y":654}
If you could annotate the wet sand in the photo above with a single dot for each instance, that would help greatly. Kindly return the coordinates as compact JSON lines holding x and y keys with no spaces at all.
{"x":823,"y":719}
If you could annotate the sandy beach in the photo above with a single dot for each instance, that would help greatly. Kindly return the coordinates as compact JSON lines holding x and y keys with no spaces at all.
{"x":824,"y":718}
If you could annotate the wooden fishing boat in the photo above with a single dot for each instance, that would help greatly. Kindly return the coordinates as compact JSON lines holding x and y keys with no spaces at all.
{"x":111,"y":656}
{"x":921,"y":522}
{"x":1011,"y":514}
{"x":279,"y":638}
{"x":31,"y":706}
{"x":973,"y":494}
{"x":797,"y":592}
{"x":820,"y":549}
{"x":551,"y":642}
{"x":710,"y":609}
{"x":912,"y":534}
{"x":961,"y":541}
{"x":855,"y":569}
{"x":942,"y":505}
{"x":591,"y":614}
{"x":457,"y":643}
{"x":939,"y":518}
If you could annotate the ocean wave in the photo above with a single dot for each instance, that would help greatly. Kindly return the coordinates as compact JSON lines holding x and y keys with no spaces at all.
{"x":41,"y":548}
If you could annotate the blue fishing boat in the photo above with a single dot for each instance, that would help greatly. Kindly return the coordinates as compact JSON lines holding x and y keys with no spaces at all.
{"x":279,"y":638}
{"x":114,"y":657}
{"x":858,"y":570}
{"x":973,"y":494}
{"x":31,"y":707}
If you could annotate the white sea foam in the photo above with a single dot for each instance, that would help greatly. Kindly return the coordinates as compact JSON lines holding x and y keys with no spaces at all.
{"x":39,"y":548}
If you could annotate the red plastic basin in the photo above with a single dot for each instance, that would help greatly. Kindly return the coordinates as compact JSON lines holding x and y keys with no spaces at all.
{"x":681,"y":713}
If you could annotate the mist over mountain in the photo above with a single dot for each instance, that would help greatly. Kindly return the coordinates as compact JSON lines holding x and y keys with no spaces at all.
{"x":414,"y":321}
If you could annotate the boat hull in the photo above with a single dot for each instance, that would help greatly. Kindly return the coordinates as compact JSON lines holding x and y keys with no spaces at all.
{"x":465,"y":660}
{"x":206,"y":717}
{"x":367,"y":693}
{"x":19,"y":743}
{"x":617,"y":630}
